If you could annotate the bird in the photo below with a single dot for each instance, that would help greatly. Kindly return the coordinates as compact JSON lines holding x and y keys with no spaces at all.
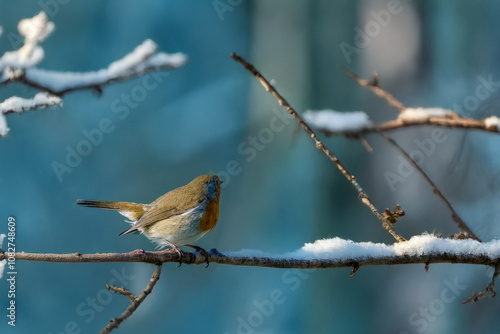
{"x":179,"y":218}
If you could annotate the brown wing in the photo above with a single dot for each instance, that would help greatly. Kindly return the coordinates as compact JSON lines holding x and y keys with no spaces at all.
{"x":167,"y":206}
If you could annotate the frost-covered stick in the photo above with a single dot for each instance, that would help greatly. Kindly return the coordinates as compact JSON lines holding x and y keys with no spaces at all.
{"x":319,"y":144}
{"x":115,"y":323}
{"x":460,"y":223}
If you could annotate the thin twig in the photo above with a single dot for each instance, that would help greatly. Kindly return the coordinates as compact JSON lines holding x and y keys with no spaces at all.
{"x":460,"y":223}
{"x":319,"y":144}
{"x":274,"y":261}
{"x":489,"y":289}
{"x":122,"y":291}
{"x":115,"y":323}
{"x":391,"y":100}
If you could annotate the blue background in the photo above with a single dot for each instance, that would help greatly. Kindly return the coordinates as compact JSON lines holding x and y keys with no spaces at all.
{"x":286,"y":194}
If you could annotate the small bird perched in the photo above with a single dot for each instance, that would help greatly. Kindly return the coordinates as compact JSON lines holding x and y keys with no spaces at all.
{"x":178,"y":218}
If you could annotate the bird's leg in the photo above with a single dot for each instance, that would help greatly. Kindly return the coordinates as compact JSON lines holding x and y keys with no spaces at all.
{"x":203,"y":252}
{"x":176,"y":249}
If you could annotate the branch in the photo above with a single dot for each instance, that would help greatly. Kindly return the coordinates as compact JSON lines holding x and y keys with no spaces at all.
{"x":136,"y":302}
{"x":18,"y":105}
{"x":373,"y":86}
{"x":489,"y":289}
{"x":319,"y":144}
{"x":18,"y":66}
{"x":460,"y":223}
{"x":326,"y":253}
{"x":136,"y":63}
{"x":489,"y":124}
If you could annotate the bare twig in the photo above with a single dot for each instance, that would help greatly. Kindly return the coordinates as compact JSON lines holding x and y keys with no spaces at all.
{"x":115,"y":323}
{"x":489,"y":289}
{"x":460,"y":223}
{"x":122,"y":291}
{"x":319,"y":144}
{"x":373,"y":86}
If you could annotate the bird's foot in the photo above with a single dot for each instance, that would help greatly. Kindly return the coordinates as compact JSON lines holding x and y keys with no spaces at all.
{"x":177,"y":250}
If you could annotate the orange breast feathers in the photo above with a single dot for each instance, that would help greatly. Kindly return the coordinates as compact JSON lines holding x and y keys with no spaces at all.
{"x":209,"y":220}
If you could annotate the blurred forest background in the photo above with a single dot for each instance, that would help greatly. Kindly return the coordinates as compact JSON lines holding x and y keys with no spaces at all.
{"x":204,"y":115}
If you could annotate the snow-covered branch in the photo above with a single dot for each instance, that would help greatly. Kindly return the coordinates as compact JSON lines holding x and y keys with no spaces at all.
{"x":18,"y":105}
{"x":19,"y":66}
{"x":387,"y":218}
{"x":143,"y":59}
{"x":356,"y":124}
{"x":135,"y":301}
{"x":330,"y":123}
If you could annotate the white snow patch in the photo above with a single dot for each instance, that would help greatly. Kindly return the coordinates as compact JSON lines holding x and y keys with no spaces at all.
{"x":34,"y":30}
{"x":335,"y":121}
{"x":134,"y":58}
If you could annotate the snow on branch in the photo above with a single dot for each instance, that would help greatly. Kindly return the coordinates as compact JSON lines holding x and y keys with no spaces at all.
{"x":3,"y":262}
{"x":19,"y":66}
{"x":139,"y":61}
{"x":425,"y":245}
{"x":325,"y":253}
{"x":492,"y":122}
{"x":34,"y":30}
{"x":18,"y":105}
{"x":408,"y":117}
{"x":334,"y":121}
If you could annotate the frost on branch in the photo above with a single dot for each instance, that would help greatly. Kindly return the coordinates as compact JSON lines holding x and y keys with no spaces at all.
{"x":18,"y":105}
{"x":335,"y":121}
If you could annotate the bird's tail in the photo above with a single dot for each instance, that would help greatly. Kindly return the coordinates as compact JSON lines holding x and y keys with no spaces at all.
{"x":132,"y":211}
